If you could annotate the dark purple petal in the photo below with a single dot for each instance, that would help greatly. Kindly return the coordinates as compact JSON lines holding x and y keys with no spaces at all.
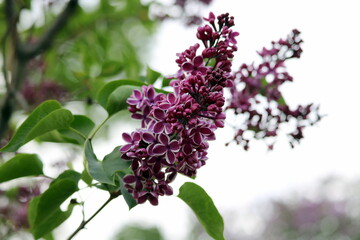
{"x":164,"y":106}
{"x":129,"y":179}
{"x":137,"y":94}
{"x":150,"y":92}
{"x":127,"y":137}
{"x":187,"y":149}
{"x":187,"y":66}
{"x":148,"y":137}
{"x":146,"y":110}
{"x":157,"y":167}
{"x":164,"y":139}
{"x":138,"y":185}
{"x":126,"y":147}
{"x":170,"y":157}
{"x":142,"y":199}
{"x":160,"y":176}
{"x":153,"y":200}
{"x":171,"y":177}
{"x":159,"y":127}
{"x":136,"y":136}
{"x":203,"y":70}
{"x":168,"y":190}
{"x":205,"y":131}
{"x":219,"y":123}
{"x":197,"y":138}
{"x":198,"y":61}
{"x":159,"y":114}
{"x":137,"y":116}
{"x":132,"y":101}
{"x":159,"y":149}
{"x":171,"y":98}
{"x":149,"y":149}
{"x":174,"y":146}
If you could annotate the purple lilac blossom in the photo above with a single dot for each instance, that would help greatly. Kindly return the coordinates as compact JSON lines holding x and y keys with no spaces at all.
{"x":176,"y":127}
{"x":256,"y":96}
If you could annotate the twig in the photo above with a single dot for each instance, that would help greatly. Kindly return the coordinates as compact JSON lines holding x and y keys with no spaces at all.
{"x":97,"y":129}
{"x":32,"y":50}
{"x":83,"y":223}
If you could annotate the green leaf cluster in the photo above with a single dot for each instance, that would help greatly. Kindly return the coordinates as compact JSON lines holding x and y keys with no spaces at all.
{"x":109,"y":172}
{"x":100,"y":44}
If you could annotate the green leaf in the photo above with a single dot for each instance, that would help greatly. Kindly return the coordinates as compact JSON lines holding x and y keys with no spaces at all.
{"x":211,"y":62}
{"x":110,"y":87}
{"x":203,"y":206}
{"x":46,"y":117}
{"x":21,"y":165}
{"x":43,"y":229}
{"x":85,"y":176}
{"x":83,"y":124}
{"x":113,"y":163}
{"x":116,"y":168}
{"x":68,"y":174}
{"x":56,"y":137}
{"x":44,"y":210}
{"x":80,"y":123}
{"x":94,"y":166}
{"x":166,"y":81}
{"x":117,"y":99}
{"x":151,"y":75}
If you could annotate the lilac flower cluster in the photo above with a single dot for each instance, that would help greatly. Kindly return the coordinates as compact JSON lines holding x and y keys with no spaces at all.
{"x":176,"y":128}
{"x":257,"y":98}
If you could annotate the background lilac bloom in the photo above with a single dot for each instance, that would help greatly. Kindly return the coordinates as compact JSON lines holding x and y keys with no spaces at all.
{"x":263,"y":82}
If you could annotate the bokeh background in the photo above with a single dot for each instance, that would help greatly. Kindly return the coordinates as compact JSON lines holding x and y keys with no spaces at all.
{"x":309,"y":192}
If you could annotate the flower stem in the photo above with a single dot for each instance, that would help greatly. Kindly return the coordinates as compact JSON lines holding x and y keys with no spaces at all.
{"x":97,"y":129}
{"x":78,"y":133}
{"x":83,"y":223}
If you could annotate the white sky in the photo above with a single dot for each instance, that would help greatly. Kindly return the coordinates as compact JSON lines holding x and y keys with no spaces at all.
{"x":327,"y":73}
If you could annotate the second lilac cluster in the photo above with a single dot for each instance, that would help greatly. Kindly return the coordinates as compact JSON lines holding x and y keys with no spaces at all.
{"x":175,"y":128}
{"x":256,"y":96}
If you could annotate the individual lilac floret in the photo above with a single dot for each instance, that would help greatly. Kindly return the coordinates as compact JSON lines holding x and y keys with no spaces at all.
{"x":176,"y":128}
{"x":167,"y":148}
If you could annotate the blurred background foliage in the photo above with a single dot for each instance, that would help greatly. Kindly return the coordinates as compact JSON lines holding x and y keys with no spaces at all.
{"x":100,"y":42}
{"x":139,"y":232}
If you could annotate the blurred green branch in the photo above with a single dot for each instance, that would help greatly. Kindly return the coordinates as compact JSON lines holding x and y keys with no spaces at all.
{"x":23,"y":53}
